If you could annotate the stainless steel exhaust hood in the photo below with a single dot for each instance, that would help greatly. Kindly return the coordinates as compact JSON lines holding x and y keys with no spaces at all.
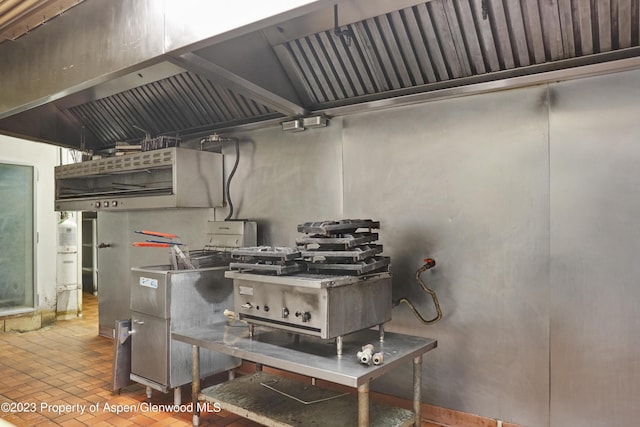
{"x":103,"y":70}
{"x":164,"y":178}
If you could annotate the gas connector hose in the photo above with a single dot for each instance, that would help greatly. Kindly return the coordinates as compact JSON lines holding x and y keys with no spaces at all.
{"x":377,"y":358}
{"x":366,"y":354}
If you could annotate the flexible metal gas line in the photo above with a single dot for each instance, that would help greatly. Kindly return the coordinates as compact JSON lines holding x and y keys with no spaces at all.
{"x":428,"y":263}
{"x":231,"y":174}
{"x":221,"y":139}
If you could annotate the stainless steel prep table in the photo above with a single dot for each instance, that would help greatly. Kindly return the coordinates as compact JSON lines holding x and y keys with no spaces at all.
{"x":309,"y":356}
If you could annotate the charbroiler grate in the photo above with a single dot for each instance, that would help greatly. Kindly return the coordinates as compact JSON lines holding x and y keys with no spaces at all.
{"x":348,"y":240}
{"x":337,"y":247}
{"x":358,"y":253}
{"x":333,"y":228}
{"x":358,"y":268}
{"x":267,"y":259}
{"x":331,"y":247}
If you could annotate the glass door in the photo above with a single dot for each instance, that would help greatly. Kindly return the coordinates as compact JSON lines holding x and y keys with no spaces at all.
{"x":16,"y":238}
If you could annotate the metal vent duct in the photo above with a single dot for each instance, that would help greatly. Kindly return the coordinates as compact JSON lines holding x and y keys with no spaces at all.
{"x":182,"y":103}
{"x":182,"y":78}
{"x":445,"y":40}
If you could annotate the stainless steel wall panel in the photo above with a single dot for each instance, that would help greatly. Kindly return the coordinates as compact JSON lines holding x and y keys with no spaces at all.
{"x":285,"y":179}
{"x":595,"y":242}
{"x":466,"y":182}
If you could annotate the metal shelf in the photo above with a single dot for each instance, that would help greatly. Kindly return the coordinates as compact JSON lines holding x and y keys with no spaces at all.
{"x":275,"y":401}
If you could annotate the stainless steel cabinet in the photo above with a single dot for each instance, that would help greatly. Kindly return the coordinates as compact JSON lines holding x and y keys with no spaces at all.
{"x":150,"y":344}
{"x":165,"y":301}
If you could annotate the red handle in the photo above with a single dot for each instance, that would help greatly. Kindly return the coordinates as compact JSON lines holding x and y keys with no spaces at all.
{"x":151,"y":245}
{"x":157,"y":234}
{"x":429,"y":263}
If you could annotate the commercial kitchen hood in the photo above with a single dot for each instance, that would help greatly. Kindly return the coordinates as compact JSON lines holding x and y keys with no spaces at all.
{"x":106,"y":69}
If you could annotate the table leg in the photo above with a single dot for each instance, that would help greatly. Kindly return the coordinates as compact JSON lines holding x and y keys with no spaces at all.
{"x":177,"y":396}
{"x":417,"y":389}
{"x":195,"y":385}
{"x":363,"y":405}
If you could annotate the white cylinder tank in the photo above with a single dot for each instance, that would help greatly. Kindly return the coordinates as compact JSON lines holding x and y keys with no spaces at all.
{"x":67,"y":268}
{"x":67,"y":287}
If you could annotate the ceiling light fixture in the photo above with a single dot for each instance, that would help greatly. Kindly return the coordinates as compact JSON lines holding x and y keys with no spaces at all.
{"x":292,"y":125}
{"x":314,"y":122}
{"x":303,"y":123}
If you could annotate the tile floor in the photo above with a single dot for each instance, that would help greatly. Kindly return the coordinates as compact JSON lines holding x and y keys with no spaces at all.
{"x":44,"y":373}
{"x":61,"y":375}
